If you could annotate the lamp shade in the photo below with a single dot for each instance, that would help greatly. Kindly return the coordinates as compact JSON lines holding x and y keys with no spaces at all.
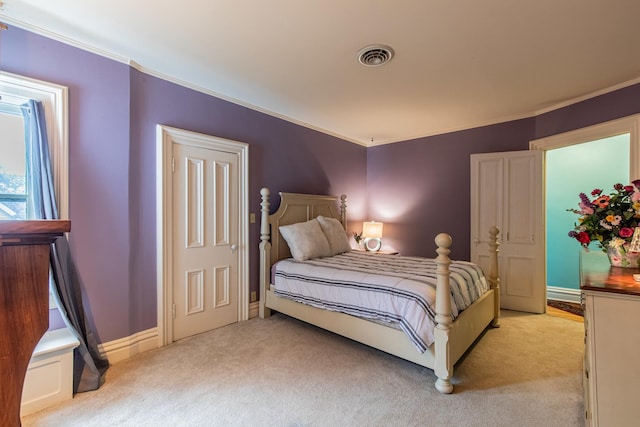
{"x":372,"y":230}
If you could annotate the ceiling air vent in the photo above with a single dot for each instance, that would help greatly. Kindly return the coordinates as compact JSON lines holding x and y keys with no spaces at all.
{"x":375,"y":55}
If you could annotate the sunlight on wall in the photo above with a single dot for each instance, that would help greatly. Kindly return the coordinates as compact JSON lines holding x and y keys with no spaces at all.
{"x":570,"y":171}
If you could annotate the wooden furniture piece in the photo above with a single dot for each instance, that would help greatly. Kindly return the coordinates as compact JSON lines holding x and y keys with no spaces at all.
{"x":611,"y":378}
{"x":24,"y":303}
{"x":452,"y":338}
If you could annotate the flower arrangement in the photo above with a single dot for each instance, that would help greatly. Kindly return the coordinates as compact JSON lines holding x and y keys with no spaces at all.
{"x":610,"y":219}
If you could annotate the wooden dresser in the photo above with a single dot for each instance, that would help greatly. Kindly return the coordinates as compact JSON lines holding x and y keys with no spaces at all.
{"x":611,"y":299}
{"x":24,"y":303}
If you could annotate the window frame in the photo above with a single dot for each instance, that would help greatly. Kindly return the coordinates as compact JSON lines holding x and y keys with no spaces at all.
{"x":17,"y":90}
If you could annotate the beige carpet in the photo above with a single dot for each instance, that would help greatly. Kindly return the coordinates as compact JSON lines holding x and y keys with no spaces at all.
{"x":281,"y":372}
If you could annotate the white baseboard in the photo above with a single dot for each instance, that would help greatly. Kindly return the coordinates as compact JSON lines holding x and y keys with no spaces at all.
{"x":254,"y":309}
{"x":563,"y":294}
{"x":124,"y":348}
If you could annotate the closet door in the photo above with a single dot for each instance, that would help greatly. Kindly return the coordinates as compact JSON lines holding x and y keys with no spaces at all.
{"x":507,"y":191}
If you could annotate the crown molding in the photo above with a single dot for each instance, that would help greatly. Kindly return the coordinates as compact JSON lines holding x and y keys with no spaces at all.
{"x":172,"y":79}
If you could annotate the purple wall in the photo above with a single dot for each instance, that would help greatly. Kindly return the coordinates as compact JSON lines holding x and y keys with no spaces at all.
{"x":418,"y":187}
{"x":610,"y":106}
{"x":282,"y":156}
{"x":421,"y":187}
{"x":99,"y":163}
{"x":113,"y":111}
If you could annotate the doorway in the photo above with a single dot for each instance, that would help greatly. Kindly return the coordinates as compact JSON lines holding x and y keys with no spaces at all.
{"x":572,"y":170}
{"x":202,"y":233}
{"x":580,"y":161}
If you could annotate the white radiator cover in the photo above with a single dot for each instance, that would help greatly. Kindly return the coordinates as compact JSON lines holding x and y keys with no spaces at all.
{"x":49,"y":378}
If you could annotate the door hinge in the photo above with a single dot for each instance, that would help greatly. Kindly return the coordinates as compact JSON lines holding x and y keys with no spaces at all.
{"x":173,"y":311}
{"x":173,"y":164}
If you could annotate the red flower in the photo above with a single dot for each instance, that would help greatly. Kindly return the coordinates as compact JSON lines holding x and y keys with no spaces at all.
{"x":596,"y":192}
{"x":584,"y":238}
{"x":629,"y":188}
{"x":626,"y":232}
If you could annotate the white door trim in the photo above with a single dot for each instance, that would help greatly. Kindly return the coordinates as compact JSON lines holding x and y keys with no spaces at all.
{"x":165,"y":138}
{"x":630,"y":125}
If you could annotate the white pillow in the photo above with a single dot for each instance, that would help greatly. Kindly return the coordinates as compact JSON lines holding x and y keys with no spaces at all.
{"x":306,"y":240}
{"x":336,"y":235}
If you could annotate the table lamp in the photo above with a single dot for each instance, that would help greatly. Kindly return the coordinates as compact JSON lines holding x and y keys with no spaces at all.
{"x":372,"y":234}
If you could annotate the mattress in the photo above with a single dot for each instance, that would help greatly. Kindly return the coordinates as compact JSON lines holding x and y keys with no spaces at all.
{"x":396,"y":290}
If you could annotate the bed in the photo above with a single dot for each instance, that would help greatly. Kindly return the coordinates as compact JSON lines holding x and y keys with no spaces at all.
{"x":453,"y":331}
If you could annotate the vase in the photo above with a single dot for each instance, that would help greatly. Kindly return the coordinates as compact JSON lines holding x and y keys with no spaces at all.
{"x":621,"y":257}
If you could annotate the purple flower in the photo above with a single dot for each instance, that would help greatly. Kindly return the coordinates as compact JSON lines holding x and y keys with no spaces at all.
{"x":585,"y":209}
{"x":573,"y":234}
{"x":618,"y":187}
{"x":636,"y":182}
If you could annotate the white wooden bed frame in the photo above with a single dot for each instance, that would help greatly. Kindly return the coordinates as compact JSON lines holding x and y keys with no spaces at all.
{"x":452,"y":338}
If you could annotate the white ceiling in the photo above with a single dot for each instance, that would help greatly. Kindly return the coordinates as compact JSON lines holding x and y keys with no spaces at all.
{"x":457,"y":64}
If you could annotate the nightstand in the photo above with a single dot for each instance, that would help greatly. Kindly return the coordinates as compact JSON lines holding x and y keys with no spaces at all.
{"x":378,"y":252}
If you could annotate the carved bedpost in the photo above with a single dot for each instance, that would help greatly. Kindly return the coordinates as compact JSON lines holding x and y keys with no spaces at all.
{"x":494,"y":279}
{"x":343,"y":210}
{"x":265,"y":253}
{"x":443,"y":366}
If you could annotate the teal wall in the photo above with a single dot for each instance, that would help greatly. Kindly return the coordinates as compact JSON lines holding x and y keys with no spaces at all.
{"x":570,"y":171}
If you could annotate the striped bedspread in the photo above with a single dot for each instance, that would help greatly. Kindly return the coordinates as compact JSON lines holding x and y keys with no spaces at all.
{"x":386,"y":288}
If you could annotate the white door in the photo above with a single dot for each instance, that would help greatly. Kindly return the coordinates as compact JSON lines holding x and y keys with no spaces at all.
{"x":507,"y":191}
{"x":205,"y":239}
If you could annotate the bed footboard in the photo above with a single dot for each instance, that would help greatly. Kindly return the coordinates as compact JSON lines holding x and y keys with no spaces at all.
{"x":494,"y":277}
{"x":265,"y":253}
{"x":452,"y":339}
{"x":444,"y":357}
{"x":443,"y":363}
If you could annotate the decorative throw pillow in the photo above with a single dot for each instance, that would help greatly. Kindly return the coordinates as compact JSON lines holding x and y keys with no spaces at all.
{"x":306,"y":240}
{"x":337,"y":237}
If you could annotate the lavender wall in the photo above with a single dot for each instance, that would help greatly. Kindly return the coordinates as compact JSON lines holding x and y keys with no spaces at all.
{"x":113,"y":112}
{"x":610,"y":106}
{"x":282,"y":157}
{"x":99,"y":163}
{"x":418,"y":187}
{"x":421,"y":187}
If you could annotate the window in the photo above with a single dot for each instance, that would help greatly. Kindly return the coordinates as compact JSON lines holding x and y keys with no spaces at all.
{"x":13,"y":177}
{"x":16,"y":90}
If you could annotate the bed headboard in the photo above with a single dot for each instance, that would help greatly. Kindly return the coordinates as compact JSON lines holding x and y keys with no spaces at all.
{"x":294,"y":208}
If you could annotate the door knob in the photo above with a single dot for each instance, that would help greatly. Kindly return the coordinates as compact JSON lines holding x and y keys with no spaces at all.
{"x":233,"y":248}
